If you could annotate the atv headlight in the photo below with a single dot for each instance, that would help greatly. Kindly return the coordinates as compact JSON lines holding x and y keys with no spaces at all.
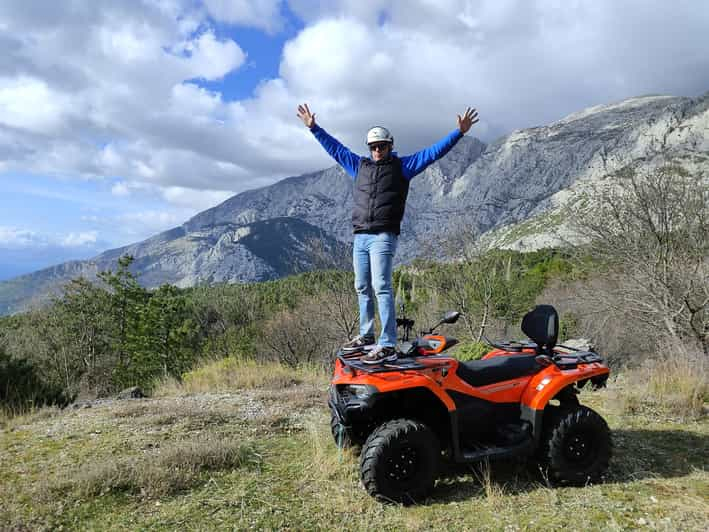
{"x":360,"y":391}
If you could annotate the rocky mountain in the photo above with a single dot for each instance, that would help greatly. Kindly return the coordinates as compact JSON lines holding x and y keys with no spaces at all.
{"x":514,"y":182}
{"x":226,"y":252}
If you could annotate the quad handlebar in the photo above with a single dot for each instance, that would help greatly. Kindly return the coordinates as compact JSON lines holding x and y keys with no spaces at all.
{"x":408,"y":324}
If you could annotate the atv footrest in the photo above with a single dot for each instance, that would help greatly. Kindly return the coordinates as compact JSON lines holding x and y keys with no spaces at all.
{"x":523,"y":448}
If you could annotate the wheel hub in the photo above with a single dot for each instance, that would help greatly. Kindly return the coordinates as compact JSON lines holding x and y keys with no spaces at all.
{"x":403,"y":465}
{"x":578,"y":448}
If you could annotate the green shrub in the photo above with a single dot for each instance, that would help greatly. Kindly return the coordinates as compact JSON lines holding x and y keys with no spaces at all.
{"x":471,"y":351}
{"x":21,"y":388}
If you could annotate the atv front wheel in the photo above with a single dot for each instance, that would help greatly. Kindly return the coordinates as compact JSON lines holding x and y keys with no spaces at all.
{"x":576,"y":446}
{"x":400,"y":461}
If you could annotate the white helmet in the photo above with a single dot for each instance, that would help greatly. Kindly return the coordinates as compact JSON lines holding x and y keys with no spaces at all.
{"x":379,"y":134}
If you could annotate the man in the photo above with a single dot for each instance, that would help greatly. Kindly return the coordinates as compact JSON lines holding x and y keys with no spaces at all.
{"x":381,"y":185}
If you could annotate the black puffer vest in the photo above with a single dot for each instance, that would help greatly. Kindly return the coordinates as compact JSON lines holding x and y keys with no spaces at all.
{"x":379,"y":194}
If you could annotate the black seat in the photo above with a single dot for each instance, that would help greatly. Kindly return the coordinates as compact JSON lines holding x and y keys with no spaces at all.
{"x":497,"y":369}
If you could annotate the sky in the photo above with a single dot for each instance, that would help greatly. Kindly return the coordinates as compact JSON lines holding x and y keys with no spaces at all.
{"x":119,"y":120}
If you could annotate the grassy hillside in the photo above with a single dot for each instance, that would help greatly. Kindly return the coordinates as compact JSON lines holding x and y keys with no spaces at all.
{"x":255,"y":452}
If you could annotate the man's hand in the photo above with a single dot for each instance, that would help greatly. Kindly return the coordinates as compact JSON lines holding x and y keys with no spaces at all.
{"x":306,"y":116}
{"x":466,"y":122}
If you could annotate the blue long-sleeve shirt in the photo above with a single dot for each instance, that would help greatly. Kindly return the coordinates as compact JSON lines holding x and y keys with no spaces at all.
{"x":410,"y":164}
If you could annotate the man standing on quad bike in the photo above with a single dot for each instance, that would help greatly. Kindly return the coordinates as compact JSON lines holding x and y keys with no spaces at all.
{"x":381,"y":185}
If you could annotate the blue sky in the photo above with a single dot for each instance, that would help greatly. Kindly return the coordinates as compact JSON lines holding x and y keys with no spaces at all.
{"x":122,"y":119}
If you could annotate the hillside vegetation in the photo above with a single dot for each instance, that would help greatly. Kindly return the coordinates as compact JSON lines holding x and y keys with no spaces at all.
{"x":97,"y":339}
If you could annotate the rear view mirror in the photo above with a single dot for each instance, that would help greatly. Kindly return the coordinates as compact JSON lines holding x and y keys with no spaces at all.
{"x":451,"y":317}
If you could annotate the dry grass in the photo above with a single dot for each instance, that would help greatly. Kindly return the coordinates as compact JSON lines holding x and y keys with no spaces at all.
{"x":494,"y":492}
{"x":229,"y":374}
{"x":201,"y":473}
{"x":187,"y":413}
{"x":326,"y":459}
{"x":134,"y":410}
{"x":676,"y":384}
{"x":10,"y":418}
{"x":167,"y":470}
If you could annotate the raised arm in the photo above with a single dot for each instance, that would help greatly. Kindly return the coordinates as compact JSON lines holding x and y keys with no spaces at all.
{"x":306,"y":116}
{"x":469,"y":118}
{"x":417,"y":162}
{"x":344,"y":157}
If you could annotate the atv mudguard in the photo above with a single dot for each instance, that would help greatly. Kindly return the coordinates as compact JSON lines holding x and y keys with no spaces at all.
{"x":391,"y":378}
{"x":548,"y":384}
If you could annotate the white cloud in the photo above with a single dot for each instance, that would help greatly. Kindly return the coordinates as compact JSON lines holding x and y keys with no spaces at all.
{"x":84,"y":238}
{"x":143,"y":224}
{"x":13,"y":237}
{"x":199,"y":200}
{"x":28,"y":103}
{"x":128,"y":43}
{"x":209,"y":58}
{"x":367,"y":11}
{"x":120,"y":189}
{"x":195,"y":102}
{"x":520,"y":63}
{"x":106,"y":92}
{"x":265,"y":14}
{"x":16,"y":238}
{"x":111,"y":89}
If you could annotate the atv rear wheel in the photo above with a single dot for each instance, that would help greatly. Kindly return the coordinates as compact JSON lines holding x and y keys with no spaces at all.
{"x":576,"y":445}
{"x":400,"y":461}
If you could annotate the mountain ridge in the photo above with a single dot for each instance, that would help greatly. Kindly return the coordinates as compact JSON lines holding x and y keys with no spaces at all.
{"x":485,"y":187}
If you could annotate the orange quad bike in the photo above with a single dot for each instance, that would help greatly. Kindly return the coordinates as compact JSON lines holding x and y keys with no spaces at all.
{"x":426,"y":408}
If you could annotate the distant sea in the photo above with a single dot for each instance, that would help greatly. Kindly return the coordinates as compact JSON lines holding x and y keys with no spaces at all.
{"x":16,"y":262}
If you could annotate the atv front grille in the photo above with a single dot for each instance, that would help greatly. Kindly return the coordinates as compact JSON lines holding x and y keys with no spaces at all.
{"x":344,"y":394}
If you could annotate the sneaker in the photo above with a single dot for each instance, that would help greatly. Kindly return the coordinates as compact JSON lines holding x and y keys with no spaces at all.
{"x":379,"y":354}
{"x":358,"y":343}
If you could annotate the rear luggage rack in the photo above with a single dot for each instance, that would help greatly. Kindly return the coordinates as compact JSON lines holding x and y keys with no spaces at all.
{"x":572,"y":360}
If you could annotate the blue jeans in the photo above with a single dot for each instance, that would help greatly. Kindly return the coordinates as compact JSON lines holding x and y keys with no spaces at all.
{"x":372,"y":257}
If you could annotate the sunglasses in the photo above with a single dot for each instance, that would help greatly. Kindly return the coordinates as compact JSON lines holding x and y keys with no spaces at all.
{"x":379,"y":147}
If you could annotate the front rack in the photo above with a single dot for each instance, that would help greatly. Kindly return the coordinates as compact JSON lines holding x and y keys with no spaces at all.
{"x":352,"y":360}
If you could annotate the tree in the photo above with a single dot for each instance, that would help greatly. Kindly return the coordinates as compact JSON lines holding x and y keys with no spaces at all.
{"x":82,"y":326}
{"x":338,"y":303}
{"x":649,"y":232}
{"x":301,"y":335}
{"x":165,"y":341}
{"x":125,"y":301}
{"x":485,"y":285}
{"x":226,"y":317}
